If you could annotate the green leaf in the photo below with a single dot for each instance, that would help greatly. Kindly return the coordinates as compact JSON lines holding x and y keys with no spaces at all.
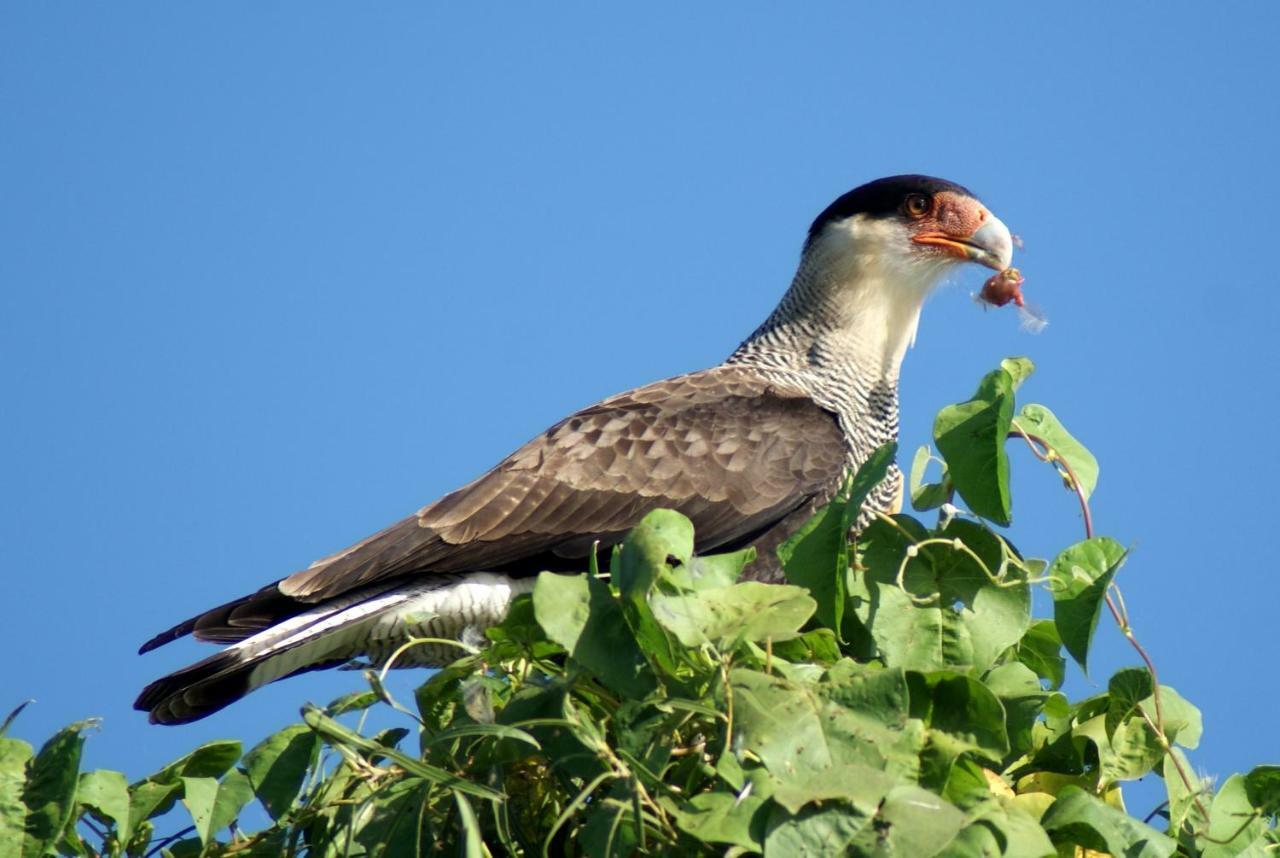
{"x":1041,"y":650}
{"x":871,"y":474}
{"x":825,"y":830}
{"x":520,"y":625}
{"x":50,"y":791}
{"x":438,"y":700}
{"x":1041,"y":422}
{"x":1234,"y":821}
{"x":749,"y":611}
{"x":729,"y":770}
{"x":1019,"y":369}
{"x":817,"y":555}
{"x":911,"y":821}
{"x":549,"y":714}
{"x":14,"y":757}
{"x":846,"y":738}
{"x":199,"y":795}
{"x":389,"y":826}
{"x":354,"y":702}
{"x":979,"y":840}
{"x":1182,"y":723}
{"x":926,"y":496}
{"x":497,"y":731}
{"x":1001,"y":829}
{"x":712,"y":571}
{"x":107,"y":792}
{"x":817,"y":645}
{"x":234,"y":792}
{"x":721,"y":817}
{"x":277,"y":766}
{"x":966,"y":785}
{"x":148,"y":799}
{"x":663,"y":538}
{"x":337,"y":734}
{"x":1081,"y":575}
{"x":562,"y":604}
{"x":579,"y":613}
{"x":190,"y":847}
{"x":215,"y":804}
{"x":946,"y":612}
{"x":1182,"y":796}
{"x":610,"y":831}
{"x":971,"y":438}
{"x":962,"y":714}
{"x":473,"y":841}
{"x":1127,"y":753}
{"x":388,"y":738}
{"x":1079,"y":818}
{"x":1262,"y":786}
{"x":1127,"y":747}
{"x":862,"y":786}
{"x":210,"y":760}
{"x":1126,"y":689}
{"x":650,"y":637}
{"x":1023,"y":699}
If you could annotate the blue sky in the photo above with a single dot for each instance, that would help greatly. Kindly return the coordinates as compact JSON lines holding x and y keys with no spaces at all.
{"x":274,"y":276}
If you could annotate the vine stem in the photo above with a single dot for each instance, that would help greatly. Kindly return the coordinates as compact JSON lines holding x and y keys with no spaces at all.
{"x":1044,"y":451}
{"x":155,"y":850}
{"x":913,"y":551}
{"x":728,"y":699}
{"x":1051,"y":456}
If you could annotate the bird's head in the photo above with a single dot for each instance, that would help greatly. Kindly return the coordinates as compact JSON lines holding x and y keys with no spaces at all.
{"x":912,"y":229}
{"x":869,"y":261}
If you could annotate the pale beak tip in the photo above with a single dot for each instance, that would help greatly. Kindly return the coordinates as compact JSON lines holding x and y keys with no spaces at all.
{"x":995,"y":242}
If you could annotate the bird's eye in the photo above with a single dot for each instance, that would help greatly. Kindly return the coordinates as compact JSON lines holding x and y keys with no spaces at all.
{"x":916,"y":205}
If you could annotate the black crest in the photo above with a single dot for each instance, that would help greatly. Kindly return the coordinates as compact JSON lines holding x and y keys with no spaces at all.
{"x":881,"y":198}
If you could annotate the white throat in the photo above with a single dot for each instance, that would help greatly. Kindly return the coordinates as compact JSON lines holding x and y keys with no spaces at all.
{"x":856,"y":298}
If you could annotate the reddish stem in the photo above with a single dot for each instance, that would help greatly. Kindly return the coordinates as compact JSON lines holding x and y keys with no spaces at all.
{"x":1120,"y":616}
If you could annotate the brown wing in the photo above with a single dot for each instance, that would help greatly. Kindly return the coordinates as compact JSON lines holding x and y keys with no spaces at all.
{"x":726,"y":448}
{"x":733,"y":452}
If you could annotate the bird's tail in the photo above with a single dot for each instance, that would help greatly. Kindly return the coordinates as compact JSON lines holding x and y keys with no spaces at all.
{"x":371,"y":622}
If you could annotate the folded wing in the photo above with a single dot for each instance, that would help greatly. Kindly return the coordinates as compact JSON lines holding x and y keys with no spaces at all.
{"x":734,"y":452}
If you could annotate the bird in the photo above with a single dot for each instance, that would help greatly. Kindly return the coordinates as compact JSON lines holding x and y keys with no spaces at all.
{"x":748,"y":450}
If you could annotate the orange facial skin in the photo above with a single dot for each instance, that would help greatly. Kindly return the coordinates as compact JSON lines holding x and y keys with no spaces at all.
{"x":951,"y":220}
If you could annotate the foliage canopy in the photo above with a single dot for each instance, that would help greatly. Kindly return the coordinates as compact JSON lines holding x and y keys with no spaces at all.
{"x":897,"y":697}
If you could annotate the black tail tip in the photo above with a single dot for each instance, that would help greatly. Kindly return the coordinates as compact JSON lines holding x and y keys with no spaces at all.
{"x":197,"y":691}
{"x":182,"y":706}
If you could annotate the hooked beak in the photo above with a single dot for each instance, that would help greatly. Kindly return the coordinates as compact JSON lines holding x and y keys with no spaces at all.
{"x":990,"y":245}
